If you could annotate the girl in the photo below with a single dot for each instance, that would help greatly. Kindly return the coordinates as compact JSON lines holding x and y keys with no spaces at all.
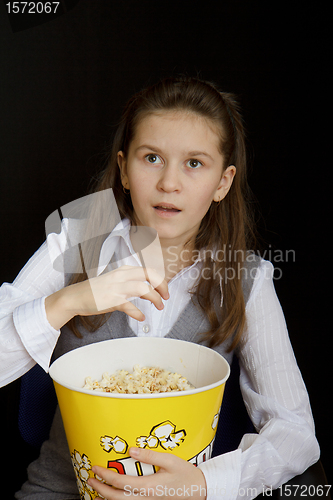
{"x":177,"y":166}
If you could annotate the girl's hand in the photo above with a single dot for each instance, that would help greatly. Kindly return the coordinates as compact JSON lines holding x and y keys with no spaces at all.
{"x":107,"y":293}
{"x":175,"y":478}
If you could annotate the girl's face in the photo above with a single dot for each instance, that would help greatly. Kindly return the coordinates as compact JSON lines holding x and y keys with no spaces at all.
{"x":174,"y":171}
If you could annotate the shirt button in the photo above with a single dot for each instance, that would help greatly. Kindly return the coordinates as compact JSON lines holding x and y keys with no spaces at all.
{"x":145,"y":328}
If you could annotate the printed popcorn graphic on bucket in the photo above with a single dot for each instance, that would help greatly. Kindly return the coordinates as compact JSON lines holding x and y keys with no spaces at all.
{"x":117,"y":444}
{"x":82,"y":468}
{"x":163,"y":434}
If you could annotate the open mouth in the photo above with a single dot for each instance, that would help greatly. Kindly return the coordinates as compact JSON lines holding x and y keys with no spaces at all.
{"x":166,"y":208}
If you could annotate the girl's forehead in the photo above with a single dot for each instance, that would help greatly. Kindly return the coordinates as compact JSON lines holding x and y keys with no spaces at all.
{"x":178,"y":123}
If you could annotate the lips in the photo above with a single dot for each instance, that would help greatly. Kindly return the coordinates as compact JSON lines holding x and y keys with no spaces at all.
{"x":167,"y":207}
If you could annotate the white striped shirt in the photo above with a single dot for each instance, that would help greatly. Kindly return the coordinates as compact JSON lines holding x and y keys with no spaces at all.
{"x":271,"y":384}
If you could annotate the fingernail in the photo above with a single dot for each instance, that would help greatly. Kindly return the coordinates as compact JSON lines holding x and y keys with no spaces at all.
{"x":134,"y":452}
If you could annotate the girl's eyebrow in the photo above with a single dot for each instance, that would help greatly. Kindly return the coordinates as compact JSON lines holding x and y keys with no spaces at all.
{"x":152,"y":148}
{"x":189,"y":153}
{"x":200,"y":153}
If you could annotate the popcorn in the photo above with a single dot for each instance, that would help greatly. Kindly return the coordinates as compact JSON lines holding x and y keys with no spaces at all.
{"x":143,"y":380}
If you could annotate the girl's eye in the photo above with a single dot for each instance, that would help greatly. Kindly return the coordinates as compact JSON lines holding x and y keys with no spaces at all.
{"x":151,"y":158}
{"x":194,"y":163}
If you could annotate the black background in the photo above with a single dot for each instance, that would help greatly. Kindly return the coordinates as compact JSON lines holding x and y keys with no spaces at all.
{"x":63,"y":85}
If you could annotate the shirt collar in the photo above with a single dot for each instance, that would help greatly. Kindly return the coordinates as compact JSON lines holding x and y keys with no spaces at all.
{"x":119,"y":237}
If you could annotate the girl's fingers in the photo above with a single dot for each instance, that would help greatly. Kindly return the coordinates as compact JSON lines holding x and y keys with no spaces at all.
{"x":145,"y":283}
{"x":121,"y":483}
{"x":137,"y":289}
{"x":157,"y":282}
{"x":132,"y":311}
{"x":174,"y":474}
{"x":112,"y":291}
{"x":165,"y":461}
{"x":155,"y":298}
{"x":105,"y":490}
{"x":132,"y":273}
{"x":163,"y":290}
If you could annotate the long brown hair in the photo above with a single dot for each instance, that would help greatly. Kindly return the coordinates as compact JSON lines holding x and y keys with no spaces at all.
{"x":227,"y":226}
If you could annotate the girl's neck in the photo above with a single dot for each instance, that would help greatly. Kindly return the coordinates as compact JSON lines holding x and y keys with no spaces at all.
{"x":176,"y":257}
{"x":176,"y":254}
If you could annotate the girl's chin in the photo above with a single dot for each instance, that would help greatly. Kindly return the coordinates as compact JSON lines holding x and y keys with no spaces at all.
{"x":168,"y":230}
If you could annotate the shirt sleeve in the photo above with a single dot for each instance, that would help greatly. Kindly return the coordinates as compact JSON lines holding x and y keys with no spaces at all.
{"x":26,"y":337}
{"x":276,"y":400}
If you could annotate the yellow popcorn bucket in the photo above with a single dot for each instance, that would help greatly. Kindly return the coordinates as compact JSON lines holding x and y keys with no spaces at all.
{"x":101,"y":427}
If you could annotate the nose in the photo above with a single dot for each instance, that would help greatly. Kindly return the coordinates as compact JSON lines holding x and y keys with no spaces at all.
{"x":169,"y":180}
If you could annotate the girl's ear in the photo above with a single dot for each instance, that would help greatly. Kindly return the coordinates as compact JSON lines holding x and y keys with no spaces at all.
{"x":121,"y":160}
{"x":225,"y":183}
